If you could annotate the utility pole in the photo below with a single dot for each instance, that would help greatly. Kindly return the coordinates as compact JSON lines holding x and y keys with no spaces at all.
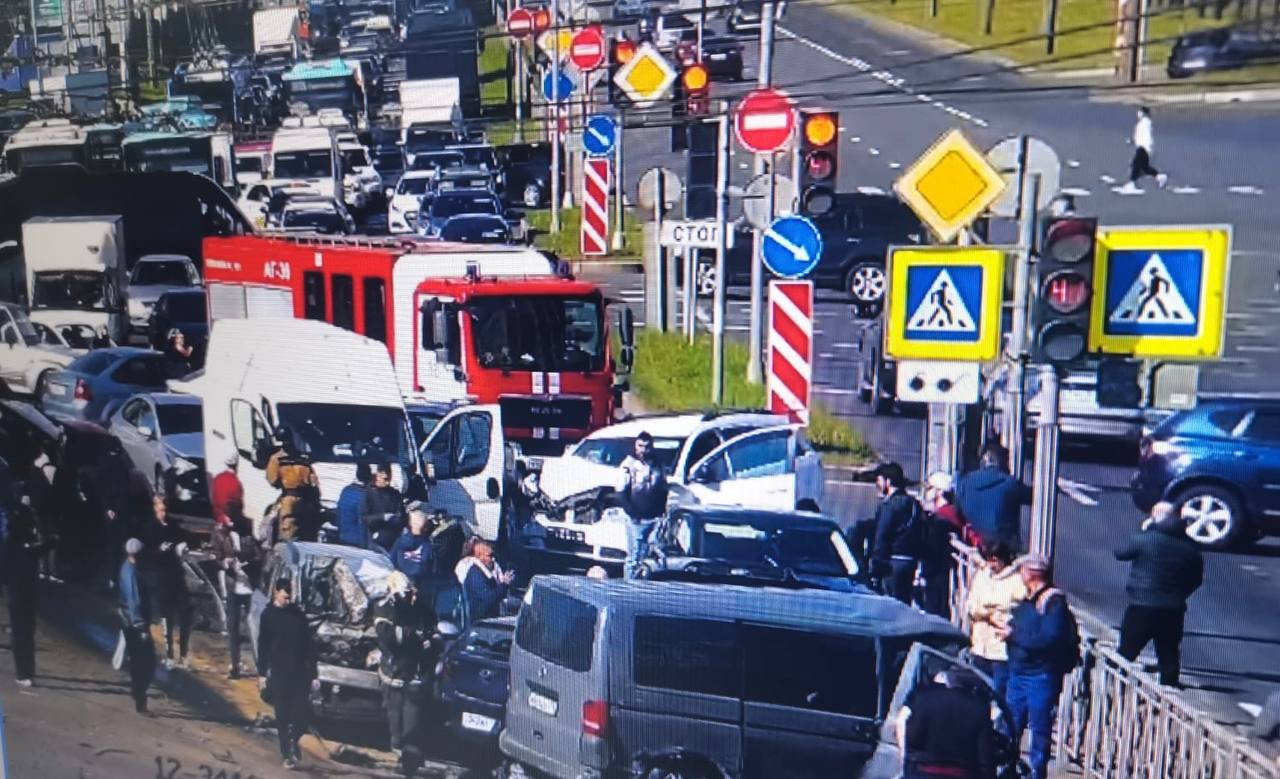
{"x":1015,"y":388}
{"x":518,"y":89}
{"x":35,"y":46}
{"x":618,"y":226}
{"x":718,"y":300}
{"x":755,"y":329}
{"x":151,"y":44}
{"x":1044,"y":485}
{"x":555,"y":116}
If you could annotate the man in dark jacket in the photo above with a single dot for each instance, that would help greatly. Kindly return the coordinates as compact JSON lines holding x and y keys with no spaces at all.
{"x":992,"y":500}
{"x":352,"y":529}
{"x":166,"y":544}
{"x":642,"y":488}
{"x":287,"y":668}
{"x":21,"y":552}
{"x":383,"y":509}
{"x":485,"y":584}
{"x":948,"y":731}
{"x":1043,"y":643}
{"x":135,"y":621}
{"x":1166,"y":569}
{"x":411,"y":553}
{"x":899,"y":522}
{"x":402,"y":644}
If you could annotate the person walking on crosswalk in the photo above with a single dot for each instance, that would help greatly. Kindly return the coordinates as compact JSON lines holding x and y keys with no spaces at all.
{"x":1143,"y":147}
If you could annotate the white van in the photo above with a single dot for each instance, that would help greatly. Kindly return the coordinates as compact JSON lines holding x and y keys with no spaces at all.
{"x":308,"y":155}
{"x":334,"y":388}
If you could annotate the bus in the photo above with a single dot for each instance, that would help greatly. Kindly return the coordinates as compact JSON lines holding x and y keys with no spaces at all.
{"x":48,"y":142}
{"x":333,"y":83}
{"x":208,"y":154}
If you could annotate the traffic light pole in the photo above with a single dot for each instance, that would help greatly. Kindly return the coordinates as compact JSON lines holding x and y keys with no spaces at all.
{"x":1044,"y":485}
{"x":1015,"y":388}
{"x":618,"y":226}
{"x":718,"y":300}
{"x":518,"y":88}
{"x":555,"y":116}
{"x":755,"y":329}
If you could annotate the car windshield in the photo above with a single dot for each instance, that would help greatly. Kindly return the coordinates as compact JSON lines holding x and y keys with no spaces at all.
{"x":179,"y":418}
{"x":320,"y":221}
{"x":413,"y":186}
{"x":452,"y":204}
{"x":427,"y":139}
{"x":169,"y":273}
{"x":811,"y":550}
{"x":479,"y":155}
{"x":475,"y":230}
{"x":342,"y":433}
{"x":354,"y":158}
{"x":538,"y":333}
{"x":77,"y":336}
{"x":249,"y":164}
{"x":187,"y":308}
{"x":303,"y":164}
{"x":389,"y":159}
{"x":64,"y":289}
{"x":437,"y":160}
{"x":612,"y":451}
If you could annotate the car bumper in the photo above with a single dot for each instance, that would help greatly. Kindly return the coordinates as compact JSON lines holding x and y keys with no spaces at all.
{"x":457,"y":706}
{"x":540,"y":762}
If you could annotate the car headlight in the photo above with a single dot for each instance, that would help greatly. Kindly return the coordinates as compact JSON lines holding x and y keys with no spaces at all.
{"x":1161,"y":448}
{"x":541,"y":517}
{"x":182,"y":465}
{"x":1194,"y":63}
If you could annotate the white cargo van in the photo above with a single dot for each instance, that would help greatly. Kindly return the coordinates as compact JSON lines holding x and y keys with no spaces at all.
{"x":77,"y":272}
{"x":308,"y":155}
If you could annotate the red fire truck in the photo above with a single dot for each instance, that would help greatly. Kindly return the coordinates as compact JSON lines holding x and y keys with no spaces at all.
{"x":493,"y":324}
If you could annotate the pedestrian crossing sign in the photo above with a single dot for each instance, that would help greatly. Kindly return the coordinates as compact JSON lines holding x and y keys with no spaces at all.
{"x":944,"y":303}
{"x":1161,"y":291}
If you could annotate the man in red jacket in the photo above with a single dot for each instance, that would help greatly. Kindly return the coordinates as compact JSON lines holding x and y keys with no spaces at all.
{"x":228,"y":495}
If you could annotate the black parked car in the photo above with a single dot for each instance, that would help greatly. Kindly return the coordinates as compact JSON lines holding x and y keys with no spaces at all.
{"x":1222,"y":49}
{"x":1220,"y":463}
{"x":723,"y":58}
{"x":474,"y":675}
{"x":856,"y":236}
{"x":527,"y":169}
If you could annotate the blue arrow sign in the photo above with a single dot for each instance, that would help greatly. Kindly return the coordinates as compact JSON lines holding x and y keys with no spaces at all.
{"x":549,"y":90}
{"x":600,"y":135}
{"x":792,"y":247}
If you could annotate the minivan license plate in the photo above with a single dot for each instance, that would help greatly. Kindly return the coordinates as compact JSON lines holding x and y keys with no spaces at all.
{"x":565,"y":534}
{"x":478,"y":722}
{"x":543,"y":704}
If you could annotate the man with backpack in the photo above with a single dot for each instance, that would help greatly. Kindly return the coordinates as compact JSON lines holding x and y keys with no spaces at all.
{"x":899,"y":524}
{"x":1044,"y":645}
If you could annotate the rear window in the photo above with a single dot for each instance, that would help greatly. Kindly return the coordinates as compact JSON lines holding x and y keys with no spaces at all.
{"x":558,"y":629}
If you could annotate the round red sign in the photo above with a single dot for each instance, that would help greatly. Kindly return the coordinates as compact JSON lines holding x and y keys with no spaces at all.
{"x":764,"y":121}
{"x":587,"y":51}
{"x":520,"y":22}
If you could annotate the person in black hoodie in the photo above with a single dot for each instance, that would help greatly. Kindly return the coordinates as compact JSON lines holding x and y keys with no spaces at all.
{"x":287,"y":671}
{"x":402,"y":644}
{"x":992,"y":500}
{"x":948,"y":731}
{"x":21,"y":551}
{"x":899,"y":523}
{"x":1166,"y":569}
{"x":166,"y":543}
{"x":382,"y":509}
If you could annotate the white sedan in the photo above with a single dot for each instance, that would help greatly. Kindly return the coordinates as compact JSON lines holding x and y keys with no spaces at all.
{"x":404,"y":201}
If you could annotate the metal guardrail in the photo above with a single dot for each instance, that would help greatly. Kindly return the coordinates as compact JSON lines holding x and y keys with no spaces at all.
{"x":1115,"y":721}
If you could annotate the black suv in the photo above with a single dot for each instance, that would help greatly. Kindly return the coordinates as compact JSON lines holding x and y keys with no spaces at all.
{"x":856,"y":236}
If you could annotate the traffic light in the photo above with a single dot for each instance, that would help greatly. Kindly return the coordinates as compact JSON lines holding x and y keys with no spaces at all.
{"x":696,"y":85}
{"x":700,"y":183}
{"x":1064,"y":290}
{"x":819,"y":155}
{"x":621,"y":50}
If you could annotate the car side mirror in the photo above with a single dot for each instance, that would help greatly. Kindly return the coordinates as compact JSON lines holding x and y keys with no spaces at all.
{"x":492,"y":489}
{"x":627,"y":327}
{"x":11,"y":338}
{"x":145,"y":431}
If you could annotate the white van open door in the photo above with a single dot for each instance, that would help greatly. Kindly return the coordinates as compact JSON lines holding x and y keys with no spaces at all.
{"x":769,"y":468}
{"x":465,"y":451}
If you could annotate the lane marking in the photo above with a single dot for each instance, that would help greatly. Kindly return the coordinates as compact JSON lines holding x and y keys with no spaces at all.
{"x":1185,"y":190}
{"x":1245,"y":189}
{"x":1078,"y":491}
{"x":1076,"y":191}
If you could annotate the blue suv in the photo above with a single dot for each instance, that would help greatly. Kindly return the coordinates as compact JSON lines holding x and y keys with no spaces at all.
{"x":1220,"y":462}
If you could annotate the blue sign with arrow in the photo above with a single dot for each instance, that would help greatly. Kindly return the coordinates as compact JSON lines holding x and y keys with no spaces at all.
{"x":792,"y":247}
{"x":557,"y":92}
{"x":600,"y":135}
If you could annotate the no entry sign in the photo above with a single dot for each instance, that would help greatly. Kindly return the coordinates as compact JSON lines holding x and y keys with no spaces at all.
{"x":520,"y":23}
{"x":764,"y":121}
{"x":586,"y":51}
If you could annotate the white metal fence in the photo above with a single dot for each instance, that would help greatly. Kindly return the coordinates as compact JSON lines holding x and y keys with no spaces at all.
{"x":1116,"y":721}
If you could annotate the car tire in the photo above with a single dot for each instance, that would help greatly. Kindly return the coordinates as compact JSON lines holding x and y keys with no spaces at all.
{"x":41,"y":382}
{"x":532,"y":196}
{"x":705,"y":280}
{"x":675,"y":771}
{"x":1215,"y":519}
{"x":808,"y":504}
{"x":879,"y":405}
{"x":866,"y":283}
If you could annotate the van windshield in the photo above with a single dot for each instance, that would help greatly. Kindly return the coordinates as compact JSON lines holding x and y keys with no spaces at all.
{"x":62,"y":290}
{"x":340,"y":433}
{"x":303,"y":164}
{"x":558,"y":629}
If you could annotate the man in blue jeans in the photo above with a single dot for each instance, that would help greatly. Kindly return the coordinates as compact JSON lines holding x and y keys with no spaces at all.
{"x":1043,"y":642}
{"x":642,"y":488}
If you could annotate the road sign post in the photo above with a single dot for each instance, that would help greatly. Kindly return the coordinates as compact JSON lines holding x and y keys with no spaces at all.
{"x":1044,"y":483}
{"x":555,"y":128}
{"x":718,"y":316}
{"x":790,"y":349}
{"x":619,"y":222}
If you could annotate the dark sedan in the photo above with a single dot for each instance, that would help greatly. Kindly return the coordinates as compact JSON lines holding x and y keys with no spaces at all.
{"x":1205,"y":51}
{"x":183,"y":311}
{"x":722,"y":57}
{"x":474,"y":677}
{"x":476,"y":228}
{"x":1220,"y":463}
{"x":527,"y":174}
{"x":750,"y":546}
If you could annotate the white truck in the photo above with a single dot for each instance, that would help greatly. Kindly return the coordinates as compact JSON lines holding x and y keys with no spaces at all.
{"x":308,"y":155}
{"x":77,"y":272}
{"x":435,"y":102}
{"x":277,"y":32}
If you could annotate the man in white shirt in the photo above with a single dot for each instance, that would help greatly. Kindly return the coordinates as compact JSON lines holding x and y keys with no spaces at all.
{"x":1143,"y":148}
{"x":642,"y":486}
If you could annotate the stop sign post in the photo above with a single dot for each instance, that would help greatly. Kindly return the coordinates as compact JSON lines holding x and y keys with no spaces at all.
{"x":520,"y":23}
{"x":587,"y":51}
{"x":764,"y":121}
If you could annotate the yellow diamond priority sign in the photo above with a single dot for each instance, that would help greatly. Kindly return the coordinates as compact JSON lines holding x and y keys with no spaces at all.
{"x":950,"y":185}
{"x":646,"y":77}
{"x":547,"y":42}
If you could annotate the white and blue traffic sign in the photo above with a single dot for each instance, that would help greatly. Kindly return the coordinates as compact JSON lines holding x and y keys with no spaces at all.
{"x":600,"y":135}
{"x":1160,"y":291}
{"x":941,"y":300}
{"x":791,"y":247}
{"x":549,"y":86}
{"x":944,"y":303}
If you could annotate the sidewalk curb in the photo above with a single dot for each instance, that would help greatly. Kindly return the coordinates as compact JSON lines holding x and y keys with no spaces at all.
{"x":630,"y":266}
{"x":1199,"y":97}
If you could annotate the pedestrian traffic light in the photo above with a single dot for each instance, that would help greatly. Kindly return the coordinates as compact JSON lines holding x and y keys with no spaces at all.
{"x":1064,"y":290}
{"x":700,"y":183}
{"x":621,"y":51}
{"x":1118,"y":384}
{"x":819,"y":153}
{"x":696,"y":84}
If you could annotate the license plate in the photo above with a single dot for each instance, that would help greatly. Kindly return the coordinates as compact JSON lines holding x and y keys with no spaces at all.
{"x":543,"y":704}
{"x":58,"y":389}
{"x":719,"y":57}
{"x":478,"y":722}
{"x":565,"y":534}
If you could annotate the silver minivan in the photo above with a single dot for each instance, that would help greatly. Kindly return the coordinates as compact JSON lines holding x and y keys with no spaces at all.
{"x":627,"y":678}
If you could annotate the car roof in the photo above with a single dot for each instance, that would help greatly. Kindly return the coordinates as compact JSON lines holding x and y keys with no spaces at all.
{"x":816,"y":610}
{"x":684,"y":425}
{"x":171,"y":398}
{"x":418,"y":174}
{"x":466,"y":192}
{"x":162,"y":258}
{"x":755,"y":516}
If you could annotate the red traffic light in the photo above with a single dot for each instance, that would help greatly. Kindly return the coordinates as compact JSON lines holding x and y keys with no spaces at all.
{"x":1066,"y":292}
{"x":819,"y":165}
{"x":623,"y":51}
{"x":695,"y":78}
{"x":1069,"y":240}
{"x":541,"y":19}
